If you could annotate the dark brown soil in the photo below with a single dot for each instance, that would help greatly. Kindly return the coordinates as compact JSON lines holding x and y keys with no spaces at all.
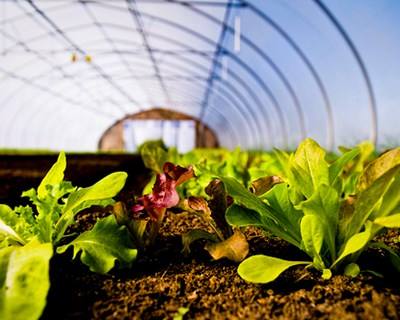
{"x":163,"y":280}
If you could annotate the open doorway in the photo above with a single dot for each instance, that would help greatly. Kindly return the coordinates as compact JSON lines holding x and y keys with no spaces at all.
{"x":174,"y":128}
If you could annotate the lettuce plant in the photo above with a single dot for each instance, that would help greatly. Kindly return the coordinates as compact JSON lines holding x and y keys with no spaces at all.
{"x":224,"y":242}
{"x":30,"y":235}
{"x":145,"y":217}
{"x":312,"y":210}
{"x":206,"y":163}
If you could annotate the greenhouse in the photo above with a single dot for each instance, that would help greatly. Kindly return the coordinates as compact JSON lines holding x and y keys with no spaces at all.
{"x":199,"y":159}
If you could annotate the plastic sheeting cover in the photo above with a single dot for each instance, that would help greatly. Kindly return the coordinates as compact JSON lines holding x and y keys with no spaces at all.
{"x":260,"y":73}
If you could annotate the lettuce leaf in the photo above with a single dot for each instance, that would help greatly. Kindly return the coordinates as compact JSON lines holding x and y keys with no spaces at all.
{"x":24,"y":280}
{"x":103,"y":245}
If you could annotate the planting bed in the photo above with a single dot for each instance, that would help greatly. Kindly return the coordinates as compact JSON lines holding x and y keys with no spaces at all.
{"x":162,"y":280}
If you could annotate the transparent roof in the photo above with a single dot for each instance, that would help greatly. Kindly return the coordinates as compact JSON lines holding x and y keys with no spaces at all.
{"x":260,"y":73}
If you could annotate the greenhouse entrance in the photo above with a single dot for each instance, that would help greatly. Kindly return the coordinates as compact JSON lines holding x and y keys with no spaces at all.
{"x":174,"y":128}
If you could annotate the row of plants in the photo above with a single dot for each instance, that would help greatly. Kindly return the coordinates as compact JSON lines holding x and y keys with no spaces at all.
{"x":329,"y":206}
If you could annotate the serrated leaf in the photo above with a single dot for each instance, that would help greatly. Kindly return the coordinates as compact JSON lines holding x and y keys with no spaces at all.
{"x":100,"y":247}
{"x":12,"y":226}
{"x":392,"y":221}
{"x":235,"y":248}
{"x":264,"y":269}
{"x":48,"y":207}
{"x":26,"y":282}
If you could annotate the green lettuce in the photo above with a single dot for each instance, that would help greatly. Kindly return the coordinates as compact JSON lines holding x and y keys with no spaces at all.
{"x":24,"y":280}
{"x":30,"y":234}
{"x":313,"y":210}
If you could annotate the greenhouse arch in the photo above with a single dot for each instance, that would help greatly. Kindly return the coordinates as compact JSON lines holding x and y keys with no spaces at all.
{"x":113,"y":137}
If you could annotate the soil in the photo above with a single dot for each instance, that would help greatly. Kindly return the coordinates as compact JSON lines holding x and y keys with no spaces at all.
{"x":163,"y":280}
{"x":22,"y":172}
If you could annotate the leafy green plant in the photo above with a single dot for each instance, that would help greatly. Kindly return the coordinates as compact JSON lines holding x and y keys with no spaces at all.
{"x":312,"y":210}
{"x":224,"y":242}
{"x":172,"y":183}
{"x":24,"y":280}
{"x":206,"y":163}
{"x":29,"y":235}
{"x":145,"y":217}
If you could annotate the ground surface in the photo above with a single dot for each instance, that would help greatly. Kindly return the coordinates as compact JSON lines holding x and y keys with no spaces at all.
{"x":162,"y":281}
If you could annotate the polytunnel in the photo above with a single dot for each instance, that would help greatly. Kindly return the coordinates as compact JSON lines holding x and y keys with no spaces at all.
{"x":261,"y":74}
{"x":199,"y":159}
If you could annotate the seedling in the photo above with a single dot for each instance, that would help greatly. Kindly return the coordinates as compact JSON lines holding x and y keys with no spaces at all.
{"x":144,"y":219}
{"x":224,"y":242}
{"x":29,"y":235}
{"x":313,"y":211}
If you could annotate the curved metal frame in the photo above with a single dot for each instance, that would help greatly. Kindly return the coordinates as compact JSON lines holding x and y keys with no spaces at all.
{"x":226,"y":122}
{"x":223,"y":97}
{"x":221,"y":49}
{"x":253,"y":74}
{"x":307,"y":63}
{"x":257,"y":78}
{"x":61,"y":33}
{"x":265,"y":57}
{"x":230,"y":99}
{"x":350,"y":44}
{"x":191,"y":62}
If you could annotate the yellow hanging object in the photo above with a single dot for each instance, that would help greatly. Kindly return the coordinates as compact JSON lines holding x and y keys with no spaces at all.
{"x":88,"y":58}
{"x":74,"y":57}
